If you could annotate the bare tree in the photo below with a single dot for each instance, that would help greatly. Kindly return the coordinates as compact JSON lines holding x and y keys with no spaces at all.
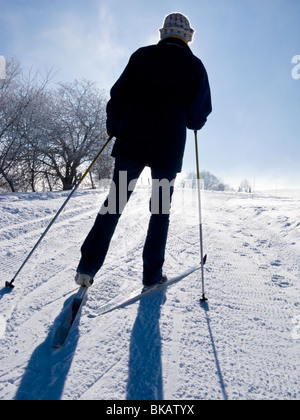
{"x":10,"y":107}
{"x":18,"y":97}
{"x":245,"y":187}
{"x":47,"y":137}
{"x":208,"y":180}
{"x":76,"y":129}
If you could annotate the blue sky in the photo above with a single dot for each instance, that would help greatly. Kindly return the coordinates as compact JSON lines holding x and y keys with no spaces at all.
{"x":247,"y":47}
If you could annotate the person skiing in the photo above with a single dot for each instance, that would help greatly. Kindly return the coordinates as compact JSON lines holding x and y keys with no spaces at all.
{"x":163,"y":90}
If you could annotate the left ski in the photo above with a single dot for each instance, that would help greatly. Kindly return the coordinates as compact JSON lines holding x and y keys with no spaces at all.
{"x":67,"y":323}
{"x":136,"y":295}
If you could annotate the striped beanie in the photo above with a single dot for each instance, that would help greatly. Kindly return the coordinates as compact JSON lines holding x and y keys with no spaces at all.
{"x":178,"y":25}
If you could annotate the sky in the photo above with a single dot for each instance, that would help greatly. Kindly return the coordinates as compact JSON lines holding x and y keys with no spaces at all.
{"x":249,"y":48}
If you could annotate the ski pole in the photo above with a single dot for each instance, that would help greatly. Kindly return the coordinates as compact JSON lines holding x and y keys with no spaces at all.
{"x":10,"y":284}
{"x":203,"y":258}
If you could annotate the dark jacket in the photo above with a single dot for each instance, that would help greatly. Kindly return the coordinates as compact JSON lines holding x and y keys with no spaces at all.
{"x":163,"y":90}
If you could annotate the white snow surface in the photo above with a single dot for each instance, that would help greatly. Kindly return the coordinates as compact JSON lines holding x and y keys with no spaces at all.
{"x":243,"y":344}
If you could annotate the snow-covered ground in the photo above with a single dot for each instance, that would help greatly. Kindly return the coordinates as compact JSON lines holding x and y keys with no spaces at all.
{"x":244,"y":344}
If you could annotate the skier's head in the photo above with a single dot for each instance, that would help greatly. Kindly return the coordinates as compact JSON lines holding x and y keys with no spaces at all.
{"x":177,"y":25}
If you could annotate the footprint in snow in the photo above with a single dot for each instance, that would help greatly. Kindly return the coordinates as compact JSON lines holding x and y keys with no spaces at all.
{"x":280,"y":281}
{"x":276,"y":263}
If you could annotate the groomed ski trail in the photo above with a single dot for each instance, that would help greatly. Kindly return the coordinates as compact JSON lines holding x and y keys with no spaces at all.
{"x":244,"y":344}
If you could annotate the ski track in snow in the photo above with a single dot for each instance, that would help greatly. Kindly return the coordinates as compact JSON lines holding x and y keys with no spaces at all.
{"x":243,"y":344}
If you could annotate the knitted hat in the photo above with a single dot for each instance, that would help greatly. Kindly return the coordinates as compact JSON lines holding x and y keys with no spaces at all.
{"x":178,"y":25}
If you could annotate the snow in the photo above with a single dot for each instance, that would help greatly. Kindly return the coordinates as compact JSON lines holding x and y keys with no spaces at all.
{"x":243,"y":344}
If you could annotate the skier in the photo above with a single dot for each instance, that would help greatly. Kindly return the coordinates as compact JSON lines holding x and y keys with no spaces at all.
{"x":163,"y":91}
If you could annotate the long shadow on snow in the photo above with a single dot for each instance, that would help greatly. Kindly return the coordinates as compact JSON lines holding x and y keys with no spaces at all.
{"x":47,"y":370}
{"x":145,"y":364}
{"x":205,"y":306}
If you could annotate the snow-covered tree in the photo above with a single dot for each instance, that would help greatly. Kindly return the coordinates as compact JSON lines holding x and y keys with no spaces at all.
{"x":18,"y":94}
{"x":245,"y":186}
{"x":49,"y":136}
{"x":208,"y":181}
{"x":76,"y":129}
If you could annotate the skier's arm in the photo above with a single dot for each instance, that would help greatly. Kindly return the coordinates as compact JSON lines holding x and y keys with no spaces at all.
{"x":200,"y":105}
{"x":118,"y":98}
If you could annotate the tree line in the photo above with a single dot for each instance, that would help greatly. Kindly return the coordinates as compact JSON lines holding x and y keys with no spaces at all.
{"x":208,"y":181}
{"x":49,"y":133}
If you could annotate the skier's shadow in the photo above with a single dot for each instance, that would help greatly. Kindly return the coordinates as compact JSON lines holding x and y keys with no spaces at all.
{"x":47,"y":369}
{"x":145,"y":365}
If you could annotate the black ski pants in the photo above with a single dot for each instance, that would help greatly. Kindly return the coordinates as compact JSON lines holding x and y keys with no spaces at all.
{"x":96,"y":245}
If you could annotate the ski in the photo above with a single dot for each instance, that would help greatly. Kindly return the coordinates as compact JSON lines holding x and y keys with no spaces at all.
{"x":139,"y":293}
{"x":66,"y":325}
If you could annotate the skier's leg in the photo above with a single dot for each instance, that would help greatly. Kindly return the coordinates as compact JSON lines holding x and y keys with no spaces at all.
{"x":96,"y":245}
{"x":155,"y":245}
